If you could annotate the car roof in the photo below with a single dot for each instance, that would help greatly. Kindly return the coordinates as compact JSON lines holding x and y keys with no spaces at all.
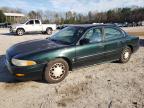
{"x":87,"y":26}
{"x":33,"y":19}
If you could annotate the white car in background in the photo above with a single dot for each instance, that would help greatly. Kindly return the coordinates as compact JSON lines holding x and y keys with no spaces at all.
{"x":32,"y":25}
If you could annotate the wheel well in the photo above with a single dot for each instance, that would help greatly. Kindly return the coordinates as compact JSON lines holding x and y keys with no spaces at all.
{"x":49,"y":28}
{"x":64,"y":58}
{"x":21,"y":28}
{"x":68,"y":61}
{"x":131,"y":47}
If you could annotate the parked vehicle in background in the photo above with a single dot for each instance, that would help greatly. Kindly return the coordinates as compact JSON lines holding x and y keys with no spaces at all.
{"x":75,"y":46}
{"x":32,"y":25}
{"x":142,"y":23}
{"x":121,"y":24}
{"x":2,"y":25}
{"x":60,"y":27}
{"x":97,"y":23}
{"x":5,"y":25}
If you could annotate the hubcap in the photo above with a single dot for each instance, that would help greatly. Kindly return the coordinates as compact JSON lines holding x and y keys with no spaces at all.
{"x":126,"y":55}
{"x":20,"y":32}
{"x":49,"y":31}
{"x":57,"y":71}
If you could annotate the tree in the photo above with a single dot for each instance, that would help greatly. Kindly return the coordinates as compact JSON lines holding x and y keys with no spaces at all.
{"x":34,"y":15}
{"x":125,"y":14}
{"x":11,"y":10}
{"x":118,"y":15}
{"x":101,"y":18}
{"x":56,"y":18}
{"x":90,"y":16}
{"x":2,"y":17}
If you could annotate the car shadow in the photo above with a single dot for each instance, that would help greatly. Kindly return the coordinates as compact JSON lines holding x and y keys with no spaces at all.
{"x":7,"y":34}
{"x":14,"y":34}
{"x":5,"y":76}
{"x":141,"y":42}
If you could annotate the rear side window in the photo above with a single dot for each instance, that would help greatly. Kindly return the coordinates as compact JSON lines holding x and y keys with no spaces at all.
{"x":112,"y":33}
{"x":37,"y":22}
{"x":94,"y":35}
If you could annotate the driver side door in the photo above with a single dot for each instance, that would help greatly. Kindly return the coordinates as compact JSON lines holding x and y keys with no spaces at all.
{"x":91,"y":52}
{"x":29,"y":27}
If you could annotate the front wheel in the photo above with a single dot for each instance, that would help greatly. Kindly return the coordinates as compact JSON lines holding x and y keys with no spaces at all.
{"x":125,"y":55}
{"x":56,"y":71}
{"x":20,"y":32}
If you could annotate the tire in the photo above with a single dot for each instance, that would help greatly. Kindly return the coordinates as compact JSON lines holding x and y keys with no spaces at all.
{"x":43,"y":32}
{"x":20,"y":32}
{"x":49,"y":31}
{"x":125,"y":55}
{"x":56,"y":71}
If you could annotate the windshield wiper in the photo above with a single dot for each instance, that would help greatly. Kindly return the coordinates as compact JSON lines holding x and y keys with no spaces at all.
{"x":59,"y":41}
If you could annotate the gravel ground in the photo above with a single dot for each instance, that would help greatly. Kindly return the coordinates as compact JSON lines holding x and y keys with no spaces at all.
{"x":109,"y":85}
{"x":134,"y":29}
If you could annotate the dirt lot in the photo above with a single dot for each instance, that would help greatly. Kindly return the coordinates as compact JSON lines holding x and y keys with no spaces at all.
{"x":110,"y":85}
{"x":135,"y":30}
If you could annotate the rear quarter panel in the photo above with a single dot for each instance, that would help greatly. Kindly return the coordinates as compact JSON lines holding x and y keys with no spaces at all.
{"x":133,"y":42}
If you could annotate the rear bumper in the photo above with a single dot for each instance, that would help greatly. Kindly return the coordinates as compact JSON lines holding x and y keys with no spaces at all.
{"x":136,"y":47}
{"x":30,"y":72}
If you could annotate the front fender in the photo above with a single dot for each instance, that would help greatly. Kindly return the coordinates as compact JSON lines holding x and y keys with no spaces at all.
{"x":48,"y":55}
{"x":68,"y":53}
{"x":20,"y":28}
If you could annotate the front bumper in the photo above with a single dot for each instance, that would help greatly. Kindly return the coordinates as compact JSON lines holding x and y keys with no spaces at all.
{"x":30,"y":72}
{"x":12,"y":30}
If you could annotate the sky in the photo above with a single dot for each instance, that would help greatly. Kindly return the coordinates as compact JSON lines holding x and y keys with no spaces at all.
{"x":80,"y":6}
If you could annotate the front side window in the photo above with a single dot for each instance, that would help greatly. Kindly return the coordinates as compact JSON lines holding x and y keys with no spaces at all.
{"x":94,"y":35}
{"x":112,"y":33}
{"x":30,"y":22}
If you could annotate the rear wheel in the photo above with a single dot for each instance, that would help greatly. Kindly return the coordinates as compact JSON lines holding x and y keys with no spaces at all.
{"x":20,"y":32}
{"x":56,"y":71}
{"x":49,"y":31}
{"x":125,"y":55}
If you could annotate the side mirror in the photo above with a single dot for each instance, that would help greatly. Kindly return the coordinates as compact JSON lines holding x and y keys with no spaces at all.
{"x":84,"y":41}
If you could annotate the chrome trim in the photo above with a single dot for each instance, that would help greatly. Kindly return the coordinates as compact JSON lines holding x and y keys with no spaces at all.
{"x":95,"y":54}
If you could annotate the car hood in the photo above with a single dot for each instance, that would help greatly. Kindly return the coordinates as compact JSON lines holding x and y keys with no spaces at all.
{"x":32,"y":46}
{"x":16,"y":25}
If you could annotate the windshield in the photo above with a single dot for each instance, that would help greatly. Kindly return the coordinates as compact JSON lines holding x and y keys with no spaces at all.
{"x":68,"y":35}
{"x":23,"y":22}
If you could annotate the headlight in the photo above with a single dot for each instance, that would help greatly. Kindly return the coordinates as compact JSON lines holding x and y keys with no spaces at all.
{"x":18,"y":62}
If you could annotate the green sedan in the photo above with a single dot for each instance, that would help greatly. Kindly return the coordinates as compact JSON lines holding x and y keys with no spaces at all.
{"x":75,"y":46}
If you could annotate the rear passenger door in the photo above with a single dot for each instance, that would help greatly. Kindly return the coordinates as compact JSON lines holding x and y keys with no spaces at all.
{"x":114,"y":40}
{"x":38,"y":26}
